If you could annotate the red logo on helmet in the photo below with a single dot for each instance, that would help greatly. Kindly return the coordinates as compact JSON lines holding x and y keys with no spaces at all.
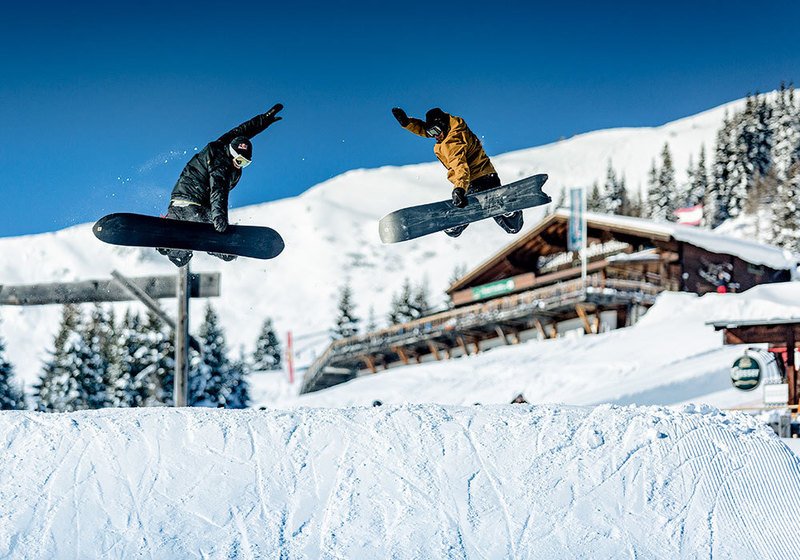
{"x":242,"y":146}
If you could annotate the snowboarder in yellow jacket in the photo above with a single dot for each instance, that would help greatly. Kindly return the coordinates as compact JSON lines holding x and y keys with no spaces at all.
{"x":460,"y":151}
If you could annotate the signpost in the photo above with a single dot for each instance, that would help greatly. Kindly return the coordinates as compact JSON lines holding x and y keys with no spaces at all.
{"x":183,"y":286}
{"x":576,"y":234}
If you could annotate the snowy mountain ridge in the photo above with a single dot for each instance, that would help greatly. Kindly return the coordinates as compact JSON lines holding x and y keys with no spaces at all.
{"x":331,"y":238}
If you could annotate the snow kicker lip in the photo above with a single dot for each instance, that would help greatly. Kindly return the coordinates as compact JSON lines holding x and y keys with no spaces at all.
{"x":422,"y":481}
{"x":416,"y":221}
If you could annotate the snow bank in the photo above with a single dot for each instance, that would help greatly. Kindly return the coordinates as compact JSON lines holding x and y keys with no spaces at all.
{"x":511,"y":481}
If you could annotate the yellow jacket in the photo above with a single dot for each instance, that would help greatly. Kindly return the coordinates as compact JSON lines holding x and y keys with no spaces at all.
{"x":460,"y":152}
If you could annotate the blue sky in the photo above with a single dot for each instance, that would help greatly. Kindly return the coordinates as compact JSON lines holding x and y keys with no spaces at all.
{"x":101,"y":104}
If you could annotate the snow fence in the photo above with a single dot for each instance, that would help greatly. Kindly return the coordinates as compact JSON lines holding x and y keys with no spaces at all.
{"x":414,"y":481}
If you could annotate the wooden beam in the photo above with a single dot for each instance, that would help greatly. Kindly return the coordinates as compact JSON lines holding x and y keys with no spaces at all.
{"x":402,"y":354}
{"x":107,"y":290}
{"x":152,"y":305}
{"x":448,"y":352}
{"x":463,"y":345}
{"x":597,"y":321}
{"x":582,"y":314}
{"x":477,"y":344}
{"x":554,"y":331}
{"x":370,"y":363}
{"x":499,"y":330}
{"x":540,"y":330}
{"x":434,"y":350}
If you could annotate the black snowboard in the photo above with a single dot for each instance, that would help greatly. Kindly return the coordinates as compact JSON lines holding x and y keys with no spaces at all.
{"x":136,"y":230}
{"x":416,"y":221}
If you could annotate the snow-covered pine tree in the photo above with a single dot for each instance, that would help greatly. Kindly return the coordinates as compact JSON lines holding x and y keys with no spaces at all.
{"x":134,"y":384}
{"x":458,"y":273}
{"x":56,"y":387}
{"x":659,"y":200}
{"x":786,"y":211}
{"x":667,"y":184}
{"x":594,"y":202}
{"x":637,"y":204}
{"x":561,"y":202}
{"x":718,"y":200}
{"x":160,"y":359}
{"x":100,"y":338}
{"x":698,"y":180}
{"x":751,"y":154}
{"x":615,"y":200}
{"x":214,"y":380}
{"x":268,"y":353}
{"x":11,"y":397}
{"x":372,"y":320}
{"x":237,"y":388}
{"x":346,"y":320}
{"x":420,"y":302}
{"x":88,"y":362}
{"x":785,"y":124}
{"x":403,"y":308}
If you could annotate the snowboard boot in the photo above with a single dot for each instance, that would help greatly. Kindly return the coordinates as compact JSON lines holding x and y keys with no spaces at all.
{"x":223,"y":256}
{"x":178,"y":257}
{"x":511,"y":222}
{"x":456,"y":231}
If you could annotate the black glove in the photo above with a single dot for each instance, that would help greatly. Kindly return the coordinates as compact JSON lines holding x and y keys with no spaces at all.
{"x":459,"y":197}
{"x":220,"y":224}
{"x":401,"y":116}
{"x":272,"y":112}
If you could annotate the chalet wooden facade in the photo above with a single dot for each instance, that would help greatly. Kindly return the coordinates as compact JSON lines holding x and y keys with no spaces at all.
{"x":533,"y":288}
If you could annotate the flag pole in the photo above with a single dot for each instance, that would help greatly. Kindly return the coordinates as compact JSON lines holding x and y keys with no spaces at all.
{"x":583,"y":240}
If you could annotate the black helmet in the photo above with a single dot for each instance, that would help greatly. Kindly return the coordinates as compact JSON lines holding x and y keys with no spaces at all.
{"x":241,"y":148}
{"x":436,"y":122}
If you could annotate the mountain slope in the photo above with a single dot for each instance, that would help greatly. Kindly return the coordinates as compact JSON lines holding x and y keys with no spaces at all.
{"x":331,"y":238}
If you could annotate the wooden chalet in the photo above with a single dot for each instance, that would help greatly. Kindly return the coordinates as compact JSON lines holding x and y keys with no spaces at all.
{"x":533,"y":288}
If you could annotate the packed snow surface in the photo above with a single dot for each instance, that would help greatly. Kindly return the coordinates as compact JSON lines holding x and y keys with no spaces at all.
{"x":412,"y":481}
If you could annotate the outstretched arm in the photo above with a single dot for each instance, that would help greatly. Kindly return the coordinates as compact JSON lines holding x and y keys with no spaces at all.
{"x":254,"y":126}
{"x":409,"y":123}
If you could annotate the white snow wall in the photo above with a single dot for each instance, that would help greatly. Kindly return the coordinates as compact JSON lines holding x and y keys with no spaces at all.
{"x":511,"y":481}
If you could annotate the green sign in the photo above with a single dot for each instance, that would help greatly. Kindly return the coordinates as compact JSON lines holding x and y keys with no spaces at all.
{"x":745,"y":373}
{"x":494,"y":289}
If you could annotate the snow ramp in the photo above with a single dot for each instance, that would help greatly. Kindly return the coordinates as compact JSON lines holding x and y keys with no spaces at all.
{"x":413,"y":481}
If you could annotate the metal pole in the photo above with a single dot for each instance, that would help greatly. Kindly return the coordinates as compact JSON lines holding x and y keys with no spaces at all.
{"x":584,"y":241}
{"x":182,"y":338}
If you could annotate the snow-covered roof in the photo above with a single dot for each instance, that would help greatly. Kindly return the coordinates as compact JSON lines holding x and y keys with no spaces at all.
{"x":750,"y":251}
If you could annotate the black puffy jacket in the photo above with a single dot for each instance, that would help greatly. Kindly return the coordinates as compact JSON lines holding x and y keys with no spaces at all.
{"x":210,"y":175}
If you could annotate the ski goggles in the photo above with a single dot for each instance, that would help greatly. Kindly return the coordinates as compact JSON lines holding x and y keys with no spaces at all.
{"x":434,"y":131}
{"x":239,"y":159}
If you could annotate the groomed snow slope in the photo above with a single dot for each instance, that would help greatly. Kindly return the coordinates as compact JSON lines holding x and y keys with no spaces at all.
{"x":415,"y":481}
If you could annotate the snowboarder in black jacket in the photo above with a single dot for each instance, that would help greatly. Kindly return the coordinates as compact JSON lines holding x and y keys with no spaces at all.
{"x":201,"y":193}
